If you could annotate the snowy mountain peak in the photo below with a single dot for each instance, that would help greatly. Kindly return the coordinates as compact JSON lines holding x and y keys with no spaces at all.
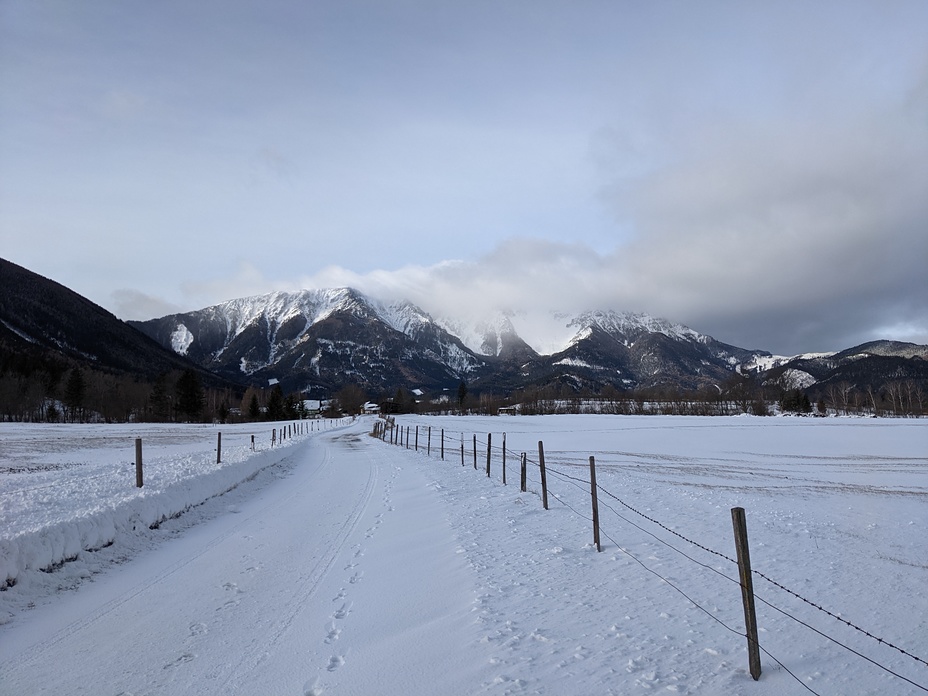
{"x":629,"y":325}
{"x":314,"y":306}
{"x":485,"y":336}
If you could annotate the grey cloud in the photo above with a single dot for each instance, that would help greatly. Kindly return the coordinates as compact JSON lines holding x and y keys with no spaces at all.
{"x":131,"y":304}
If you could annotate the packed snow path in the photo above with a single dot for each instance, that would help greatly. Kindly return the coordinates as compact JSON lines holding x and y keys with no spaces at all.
{"x":271,"y":599}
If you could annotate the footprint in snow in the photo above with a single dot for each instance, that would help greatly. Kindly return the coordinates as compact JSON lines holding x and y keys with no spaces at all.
{"x":333,"y":634}
{"x":335,"y":662}
{"x":186,"y":657}
{"x":313,"y":688}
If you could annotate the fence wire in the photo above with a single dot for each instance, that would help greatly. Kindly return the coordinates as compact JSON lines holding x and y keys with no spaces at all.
{"x":585,"y":485}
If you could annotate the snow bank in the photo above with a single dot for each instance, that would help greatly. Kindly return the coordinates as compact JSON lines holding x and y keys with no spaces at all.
{"x":56,"y":506}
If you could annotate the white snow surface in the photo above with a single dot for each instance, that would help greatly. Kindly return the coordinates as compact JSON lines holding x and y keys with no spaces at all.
{"x":181,"y":339}
{"x":624,"y":323}
{"x":342,"y":564}
{"x":768,"y":362}
{"x":798,"y":379}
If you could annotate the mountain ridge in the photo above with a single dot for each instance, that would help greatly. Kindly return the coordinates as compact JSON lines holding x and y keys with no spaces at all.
{"x":318,"y":341}
{"x":40,"y":315}
{"x":296,"y":337}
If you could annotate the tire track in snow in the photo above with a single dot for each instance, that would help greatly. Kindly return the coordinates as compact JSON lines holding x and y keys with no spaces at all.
{"x":309,"y":584}
{"x":354,"y":567}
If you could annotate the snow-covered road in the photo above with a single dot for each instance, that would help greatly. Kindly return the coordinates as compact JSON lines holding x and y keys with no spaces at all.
{"x":272,"y":599}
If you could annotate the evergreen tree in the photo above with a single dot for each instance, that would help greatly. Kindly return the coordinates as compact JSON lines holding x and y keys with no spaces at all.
{"x":275,"y":404}
{"x":74,"y":393}
{"x":190,"y":395}
{"x":254,"y":410}
{"x":159,"y":401}
{"x":462,"y":395}
{"x":796,"y":400}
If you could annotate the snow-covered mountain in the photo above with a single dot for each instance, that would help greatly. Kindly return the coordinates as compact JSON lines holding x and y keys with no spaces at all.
{"x":320,"y":339}
{"x":328,"y":338}
{"x":866,"y":367}
{"x":634,"y":350}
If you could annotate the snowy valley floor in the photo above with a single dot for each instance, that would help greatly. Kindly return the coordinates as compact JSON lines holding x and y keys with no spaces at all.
{"x":341,"y":564}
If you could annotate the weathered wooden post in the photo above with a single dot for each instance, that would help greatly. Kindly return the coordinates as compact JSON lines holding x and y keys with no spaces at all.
{"x":504,"y":459}
{"x":252,"y":443}
{"x":417,"y":438}
{"x":219,"y":448}
{"x":747,"y":589}
{"x":475,"y":452}
{"x":443,"y":444}
{"x":138,"y":462}
{"x":595,"y":494}
{"x":462,"y":449}
{"x":544,"y":478}
{"x":489,"y":439}
{"x":428,"y":444}
{"x":273,"y":437}
{"x":524,"y":472}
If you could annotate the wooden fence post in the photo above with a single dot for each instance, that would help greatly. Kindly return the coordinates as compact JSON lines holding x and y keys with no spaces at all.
{"x":428,"y":447}
{"x":475,"y":452}
{"x":252,"y":443}
{"x":489,"y":438}
{"x":594,"y":493}
{"x":417,"y":438}
{"x":273,"y":437}
{"x":138,"y":462}
{"x":544,"y":478}
{"x":219,"y":448}
{"x":462,"y":449}
{"x":504,"y":459}
{"x":747,"y":589}
{"x":443,"y":444}
{"x":524,"y":472}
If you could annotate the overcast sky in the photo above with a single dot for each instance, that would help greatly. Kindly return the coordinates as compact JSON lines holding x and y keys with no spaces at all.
{"x":757,"y":171}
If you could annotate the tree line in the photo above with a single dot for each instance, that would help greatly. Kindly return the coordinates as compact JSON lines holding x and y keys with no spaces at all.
{"x":72,"y":393}
{"x":50,"y":390}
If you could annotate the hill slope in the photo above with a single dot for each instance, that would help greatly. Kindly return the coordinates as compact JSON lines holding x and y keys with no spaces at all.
{"x":45,"y":327}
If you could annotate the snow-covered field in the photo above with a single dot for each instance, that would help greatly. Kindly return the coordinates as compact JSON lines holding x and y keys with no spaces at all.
{"x":338,"y":563}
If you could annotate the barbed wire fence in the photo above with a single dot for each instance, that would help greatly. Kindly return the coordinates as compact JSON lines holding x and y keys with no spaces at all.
{"x":473,"y":448}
